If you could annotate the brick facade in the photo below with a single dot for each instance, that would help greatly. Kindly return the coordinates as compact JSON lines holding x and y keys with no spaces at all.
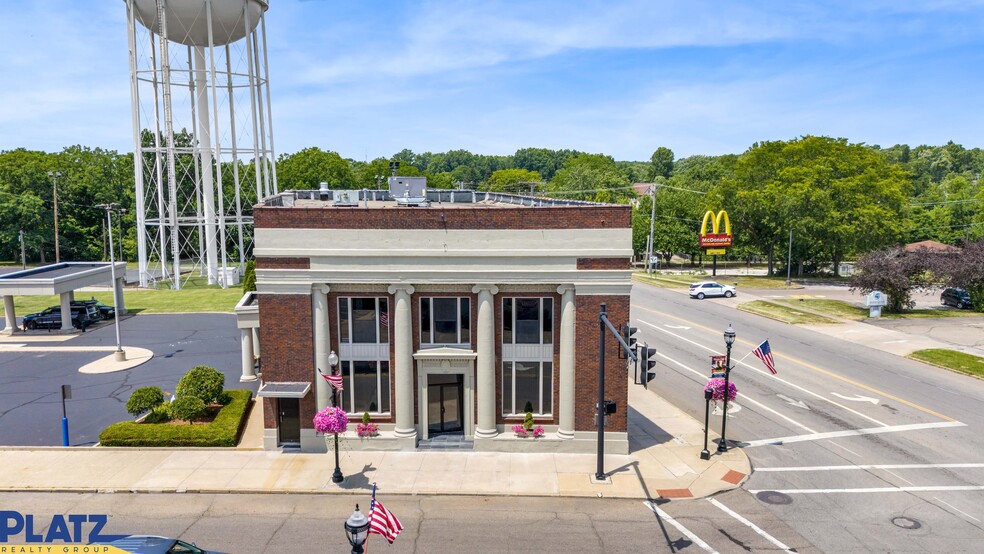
{"x":485,"y":217}
{"x":265,"y":262}
{"x":604,"y":263}
{"x":287,"y":343}
{"x":586,"y":362}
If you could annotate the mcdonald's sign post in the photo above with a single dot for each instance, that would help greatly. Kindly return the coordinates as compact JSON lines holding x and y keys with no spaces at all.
{"x":720,"y":236}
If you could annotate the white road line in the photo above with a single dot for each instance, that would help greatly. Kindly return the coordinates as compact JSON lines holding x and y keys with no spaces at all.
{"x":745,"y":398}
{"x":679,"y":526}
{"x":866,"y":466}
{"x":845,"y":448}
{"x":754,"y":527}
{"x":878,"y":489}
{"x":957,"y":509}
{"x":773,"y":377}
{"x":851,"y":433}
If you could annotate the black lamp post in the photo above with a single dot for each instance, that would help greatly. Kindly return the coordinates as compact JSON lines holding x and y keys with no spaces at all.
{"x":729,"y":339}
{"x":337,"y":476}
{"x":705,"y":454}
{"x":356,"y":530}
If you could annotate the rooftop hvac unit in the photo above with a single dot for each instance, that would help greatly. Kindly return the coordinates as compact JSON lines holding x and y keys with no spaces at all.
{"x":346,"y":198}
{"x":409,"y":191}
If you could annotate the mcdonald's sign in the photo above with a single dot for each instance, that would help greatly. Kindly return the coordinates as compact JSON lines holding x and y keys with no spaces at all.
{"x":716,"y":238}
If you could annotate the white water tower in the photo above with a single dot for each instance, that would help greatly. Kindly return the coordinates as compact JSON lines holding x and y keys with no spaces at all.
{"x":202,"y":134}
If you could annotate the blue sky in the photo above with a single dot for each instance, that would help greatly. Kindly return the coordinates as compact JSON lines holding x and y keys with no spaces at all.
{"x":368,"y":78}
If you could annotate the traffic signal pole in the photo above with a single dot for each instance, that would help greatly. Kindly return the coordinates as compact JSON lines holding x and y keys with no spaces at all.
{"x":628,"y":331}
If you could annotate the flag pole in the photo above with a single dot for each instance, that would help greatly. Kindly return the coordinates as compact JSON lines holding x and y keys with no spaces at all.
{"x":751,"y":351}
{"x":372,"y":506}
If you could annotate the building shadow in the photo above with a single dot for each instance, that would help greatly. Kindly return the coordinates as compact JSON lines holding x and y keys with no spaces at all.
{"x":643,"y":433}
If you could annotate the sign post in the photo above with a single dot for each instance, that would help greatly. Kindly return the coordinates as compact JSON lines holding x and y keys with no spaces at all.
{"x":66,"y":394}
{"x":875,"y":301}
{"x":716,"y":241}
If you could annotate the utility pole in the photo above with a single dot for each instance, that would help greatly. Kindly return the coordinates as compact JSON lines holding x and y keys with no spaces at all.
{"x":789,"y":258}
{"x":652,"y":227}
{"x":23,"y":255}
{"x":54,"y":188}
{"x":120,"y":354}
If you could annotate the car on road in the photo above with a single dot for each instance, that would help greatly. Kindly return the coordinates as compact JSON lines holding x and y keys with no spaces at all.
{"x":50,"y":318}
{"x":148,"y":544}
{"x":958,"y":298}
{"x":703,"y":289}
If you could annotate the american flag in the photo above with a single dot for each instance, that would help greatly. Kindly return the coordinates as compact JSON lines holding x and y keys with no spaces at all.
{"x":764,"y":353}
{"x":333,"y":380}
{"x":382,"y":521}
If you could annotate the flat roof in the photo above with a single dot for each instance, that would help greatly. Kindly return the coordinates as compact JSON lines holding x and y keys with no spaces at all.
{"x":445,"y":198}
{"x":59,"y":278}
{"x":54,"y":271}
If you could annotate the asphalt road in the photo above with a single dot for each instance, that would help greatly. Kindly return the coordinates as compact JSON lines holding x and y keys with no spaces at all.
{"x":246,"y":524}
{"x":30,"y":382}
{"x":905,"y":473}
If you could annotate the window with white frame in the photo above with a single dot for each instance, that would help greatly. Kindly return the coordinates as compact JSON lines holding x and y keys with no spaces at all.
{"x":363,"y":320}
{"x":366,"y":386}
{"x":527,"y":354}
{"x":527,"y":320}
{"x":527,"y":387}
{"x":445,"y":320}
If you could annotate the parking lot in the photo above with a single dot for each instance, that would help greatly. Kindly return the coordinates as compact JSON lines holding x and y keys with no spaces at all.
{"x":30,"y":382}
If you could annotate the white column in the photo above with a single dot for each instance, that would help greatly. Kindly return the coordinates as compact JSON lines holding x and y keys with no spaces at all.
{"x":403,"y":363}
{"x":485,"y":363}
{"x":249,"y":367}
{"x":566,"y":429}
{"x":322,"y":346}
{"x":256,"y":342}
{"x":9,"y":315}
{"x":66,"y":312}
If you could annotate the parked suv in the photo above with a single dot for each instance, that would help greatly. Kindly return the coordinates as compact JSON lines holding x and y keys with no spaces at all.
{"x":958,"y":298}
{"x":105,"y":312}
{"x":50,"y":318}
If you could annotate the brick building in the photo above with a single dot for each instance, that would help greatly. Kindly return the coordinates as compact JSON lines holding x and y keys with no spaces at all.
{"x":452,"y":313}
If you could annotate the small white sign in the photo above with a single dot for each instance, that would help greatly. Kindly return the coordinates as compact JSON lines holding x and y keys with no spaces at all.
{"x":876,"y":299}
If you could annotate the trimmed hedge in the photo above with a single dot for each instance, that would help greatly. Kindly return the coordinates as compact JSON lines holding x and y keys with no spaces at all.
{"x":223,"y":431}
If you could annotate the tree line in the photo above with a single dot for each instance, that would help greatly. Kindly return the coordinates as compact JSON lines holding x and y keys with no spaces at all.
{"x":839,"y":199}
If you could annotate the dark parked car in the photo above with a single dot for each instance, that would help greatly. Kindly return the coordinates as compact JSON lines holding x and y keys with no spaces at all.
{"x":145,"y":544}
{"x":958,"y":298}
{"x":106,"y":312}
{"x":50,"y":318}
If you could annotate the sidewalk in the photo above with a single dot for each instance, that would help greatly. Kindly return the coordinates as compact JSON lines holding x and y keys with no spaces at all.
{"x":665,"y":462}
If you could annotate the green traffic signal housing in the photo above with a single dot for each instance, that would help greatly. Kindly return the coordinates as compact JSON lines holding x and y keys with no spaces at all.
{"x":648,"y":371}
{"x":627,"y":332}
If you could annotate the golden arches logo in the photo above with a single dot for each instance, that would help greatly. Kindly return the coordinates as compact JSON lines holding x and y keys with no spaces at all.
{"x":718,"y":237}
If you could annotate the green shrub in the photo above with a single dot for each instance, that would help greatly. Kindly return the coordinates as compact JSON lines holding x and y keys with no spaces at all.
{"x":202,"y":382}
{"x":144,"y":399}
{"x":528,"y":421}
{"x":159,"y":414}
{"x":188,"y":408}
{"x":223,"y":398}
{"x":249,"y":277}
{"x":223,"y":431}
{"x":365,"y":418}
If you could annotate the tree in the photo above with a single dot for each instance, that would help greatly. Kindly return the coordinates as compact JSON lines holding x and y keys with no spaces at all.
{"x":310,"y":167}
{"x":894,"y":272}
{"x":839,"y":198}
{"x":144,"y":399}
{"x":512,"y":180}
{"x":661,"y":163}
{"x":202,"y":382}
{"x":592,"y":177}
{"x":966,"y":271}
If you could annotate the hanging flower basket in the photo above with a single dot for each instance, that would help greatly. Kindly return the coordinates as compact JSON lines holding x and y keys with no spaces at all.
{"x":717,"y":386}
{"x":331,"y":420}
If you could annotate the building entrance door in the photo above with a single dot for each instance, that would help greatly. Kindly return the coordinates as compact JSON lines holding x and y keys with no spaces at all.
{"x":289,"y":421}
{"x":445,"y":414}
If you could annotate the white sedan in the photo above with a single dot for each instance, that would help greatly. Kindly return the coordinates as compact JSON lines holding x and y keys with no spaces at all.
{"x":710,"y":288}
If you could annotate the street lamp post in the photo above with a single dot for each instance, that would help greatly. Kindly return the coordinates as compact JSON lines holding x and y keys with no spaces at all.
{"x":729,"y":339}
{"x":357,"y":530}
{"x":54,"y":193}
{"x":120,"y":355}
{"x":337,"y":476}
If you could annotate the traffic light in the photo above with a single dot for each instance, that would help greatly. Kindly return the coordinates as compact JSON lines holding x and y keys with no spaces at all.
{"x":648,"y":366}
{"x":627,"y":332}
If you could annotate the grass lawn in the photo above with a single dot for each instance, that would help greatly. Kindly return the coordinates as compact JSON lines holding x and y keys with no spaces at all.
{"x":839,"y":308}
{"x":951,"y":359}
{"x":222,"y":431}
{"x":782,"y":313}
{"x":741,"y":281}
{"x":147,"y":301}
